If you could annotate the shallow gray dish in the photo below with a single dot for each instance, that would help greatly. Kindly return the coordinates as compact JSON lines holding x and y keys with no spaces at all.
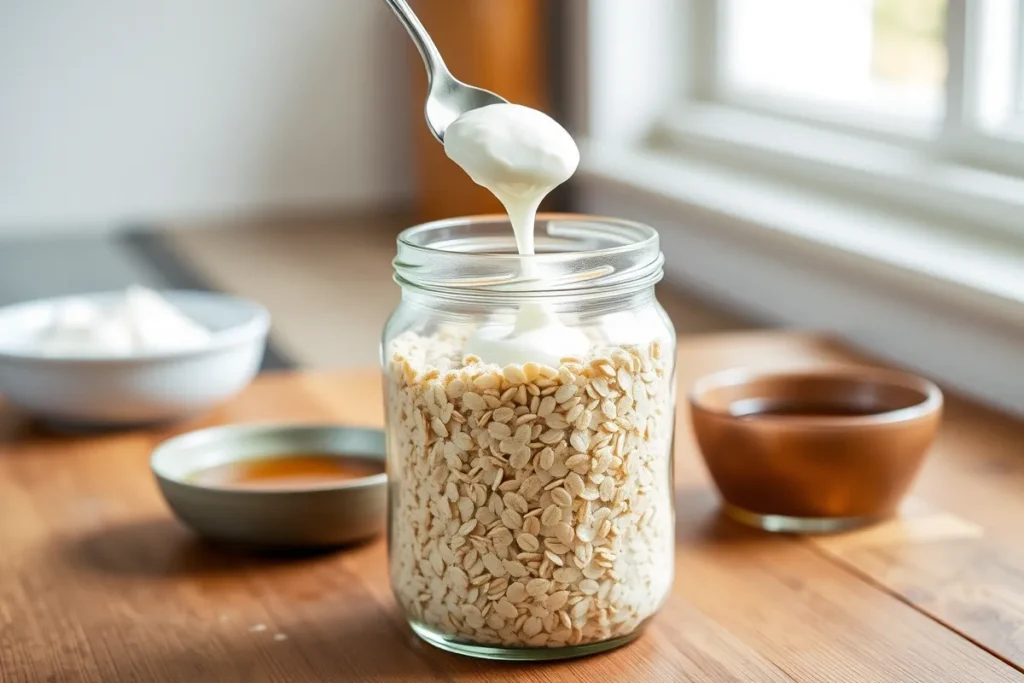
{"x":331,"y":515}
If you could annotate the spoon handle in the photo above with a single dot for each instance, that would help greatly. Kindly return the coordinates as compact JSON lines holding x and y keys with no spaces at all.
{"x":431,"y":57}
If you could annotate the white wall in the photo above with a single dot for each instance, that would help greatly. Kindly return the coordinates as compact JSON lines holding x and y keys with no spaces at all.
{"x":119,"y":110}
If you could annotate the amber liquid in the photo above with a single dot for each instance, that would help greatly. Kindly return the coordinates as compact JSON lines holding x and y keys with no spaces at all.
{"x":296,"y":471}
{"x":753,"y":408}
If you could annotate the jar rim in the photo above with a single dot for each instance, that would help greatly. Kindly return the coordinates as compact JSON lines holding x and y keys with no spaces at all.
{"x":579,"y":254}
{"x":650,"y":235}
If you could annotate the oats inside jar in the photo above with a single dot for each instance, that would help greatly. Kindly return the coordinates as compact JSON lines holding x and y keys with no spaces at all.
{"x":531,"y":505}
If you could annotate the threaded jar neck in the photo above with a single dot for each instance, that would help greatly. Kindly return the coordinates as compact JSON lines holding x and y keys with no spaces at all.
{"x":475,"y":258}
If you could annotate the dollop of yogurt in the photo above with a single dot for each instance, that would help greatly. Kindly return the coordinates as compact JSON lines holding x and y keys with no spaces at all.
{"x":519,"y":154}
{"x":537,"y":336}
{"x":142,"y":321}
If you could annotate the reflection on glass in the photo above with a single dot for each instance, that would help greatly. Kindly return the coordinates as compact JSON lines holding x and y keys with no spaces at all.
{"x":886,"y":56}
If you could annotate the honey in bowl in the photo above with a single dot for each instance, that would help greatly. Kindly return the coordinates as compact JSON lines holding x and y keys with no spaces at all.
{"x":756,"y":408}
{"x":286,"y":472}
{"x":816,"y":450}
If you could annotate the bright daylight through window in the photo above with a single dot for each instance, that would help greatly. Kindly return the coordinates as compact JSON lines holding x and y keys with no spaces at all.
{"x":916,"y":102}
{"x":885,"y":56}
{"x":915,"y":62}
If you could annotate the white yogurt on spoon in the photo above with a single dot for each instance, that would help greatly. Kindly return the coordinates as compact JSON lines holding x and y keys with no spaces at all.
{"x":519,"y":154}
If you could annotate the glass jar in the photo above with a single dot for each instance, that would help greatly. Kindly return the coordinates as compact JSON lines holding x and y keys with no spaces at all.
{"x":531,"y":508}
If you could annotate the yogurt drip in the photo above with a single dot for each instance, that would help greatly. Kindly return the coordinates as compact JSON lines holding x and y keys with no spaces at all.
{"x":520,"y":155}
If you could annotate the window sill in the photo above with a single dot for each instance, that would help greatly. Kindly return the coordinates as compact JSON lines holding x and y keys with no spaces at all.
{"x":949,"y":302}
{"x":855,"y":166}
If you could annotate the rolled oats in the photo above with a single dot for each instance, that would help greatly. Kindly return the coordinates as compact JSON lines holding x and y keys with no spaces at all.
{"x":531,"y":505}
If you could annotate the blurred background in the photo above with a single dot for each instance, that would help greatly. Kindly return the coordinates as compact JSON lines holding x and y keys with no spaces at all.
{"x":851,"y":166}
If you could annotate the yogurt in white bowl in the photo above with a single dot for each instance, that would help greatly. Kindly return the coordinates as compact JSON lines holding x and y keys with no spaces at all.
{"x":117,"y":359}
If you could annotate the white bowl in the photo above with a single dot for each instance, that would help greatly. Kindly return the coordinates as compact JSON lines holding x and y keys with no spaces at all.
{"x":137,"y":389}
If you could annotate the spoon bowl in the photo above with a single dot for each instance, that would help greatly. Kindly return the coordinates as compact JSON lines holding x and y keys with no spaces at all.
{"x":449,"y":98}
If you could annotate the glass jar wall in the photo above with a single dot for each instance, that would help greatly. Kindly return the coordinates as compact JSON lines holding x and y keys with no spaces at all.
{"x":530,"y":502}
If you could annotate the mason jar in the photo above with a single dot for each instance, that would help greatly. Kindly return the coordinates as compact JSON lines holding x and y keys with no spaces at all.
{"x":530,"y":502}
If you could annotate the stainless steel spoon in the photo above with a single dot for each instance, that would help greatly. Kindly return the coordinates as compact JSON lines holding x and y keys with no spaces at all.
{"x":447,"y":97}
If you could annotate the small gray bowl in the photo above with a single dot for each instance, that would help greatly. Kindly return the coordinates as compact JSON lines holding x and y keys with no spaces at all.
{"x":331,"y":515}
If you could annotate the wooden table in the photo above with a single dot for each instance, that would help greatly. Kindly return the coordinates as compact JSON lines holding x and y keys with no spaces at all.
{"x":99,"y":583}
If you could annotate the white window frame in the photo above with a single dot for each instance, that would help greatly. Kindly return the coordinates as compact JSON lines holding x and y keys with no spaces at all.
{"x":965,"y":21}
{"x":1018,"y":92}
{"x":983,"y":172}
{"x":767,"y":212}
{"x":962,"y":136}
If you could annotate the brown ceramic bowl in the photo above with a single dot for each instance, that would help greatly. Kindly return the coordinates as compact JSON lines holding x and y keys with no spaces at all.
{"x":814,"y":450}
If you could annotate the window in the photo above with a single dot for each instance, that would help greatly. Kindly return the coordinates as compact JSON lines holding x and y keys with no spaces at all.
{"x":887,"y":57}
{"x":918,"y":66}
{"x":915,"y":102}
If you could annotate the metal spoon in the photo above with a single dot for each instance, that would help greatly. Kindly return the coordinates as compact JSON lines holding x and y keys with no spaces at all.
{"x":447,"y":97}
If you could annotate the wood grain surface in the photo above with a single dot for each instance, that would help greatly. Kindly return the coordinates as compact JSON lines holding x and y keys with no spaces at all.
{"x":99,"y":583}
